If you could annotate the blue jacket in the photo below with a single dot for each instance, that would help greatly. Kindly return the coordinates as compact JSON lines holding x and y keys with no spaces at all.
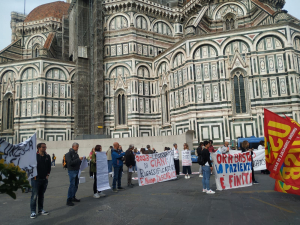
{"x":117,"y":158}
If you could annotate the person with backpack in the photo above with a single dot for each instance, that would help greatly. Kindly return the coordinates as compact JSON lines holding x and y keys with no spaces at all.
{"x":199,"y":150}
{"x":117,"y":158}
{"x":73,"y":162}
{"x":97,"y":194}
{"x":176,"y":159}
{"x":40,"y":182}
{"x":53,"y":160}
{"x":206,"y":167}
{"x":130,"y":163}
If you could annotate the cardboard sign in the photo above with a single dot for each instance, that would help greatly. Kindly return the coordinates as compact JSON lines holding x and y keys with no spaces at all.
{"x":232,"y":170}
{"x":186,"y":158}
{"x":154,"y":168}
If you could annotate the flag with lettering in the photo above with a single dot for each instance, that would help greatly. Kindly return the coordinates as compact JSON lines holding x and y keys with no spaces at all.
{"x":279,"y":136}
{"x":284,"y":188}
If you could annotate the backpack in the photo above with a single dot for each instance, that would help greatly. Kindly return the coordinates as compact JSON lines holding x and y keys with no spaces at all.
{"x":200,"y":158}
{"x":64,"y":162}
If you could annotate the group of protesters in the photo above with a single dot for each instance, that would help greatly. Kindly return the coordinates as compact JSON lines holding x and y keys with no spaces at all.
{"x":115,"y":160}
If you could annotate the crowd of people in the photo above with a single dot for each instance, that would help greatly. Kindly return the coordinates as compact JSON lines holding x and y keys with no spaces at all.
{"x":116,"y":158}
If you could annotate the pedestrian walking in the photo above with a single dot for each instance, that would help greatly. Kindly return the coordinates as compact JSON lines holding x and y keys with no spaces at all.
{"x":130,"y":163}
{"x":117,"y":158}
{"x":53,"y":160}
{"x":245,"y":148}
{"x":176,"y":159}
{"x":40,"y":182}
{"x":207,"y":168}
{"x":73,"y":164}
{"x":186,"y":169}
{"x":97,"y":194}
{"x":199,"y":150}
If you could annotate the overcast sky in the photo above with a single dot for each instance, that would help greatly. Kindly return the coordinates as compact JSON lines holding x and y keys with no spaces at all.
{"x":7,"y":6}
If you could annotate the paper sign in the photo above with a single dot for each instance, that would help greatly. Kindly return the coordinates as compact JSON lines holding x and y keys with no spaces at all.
{"x":84,"y":164}
{"x":102,"y":172}
{"x":186,"y":158}
{"x":259,"y":160}
{"x":154,"y":168}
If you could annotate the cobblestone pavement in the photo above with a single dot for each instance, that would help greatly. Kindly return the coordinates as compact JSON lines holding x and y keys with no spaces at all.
{"x":173,"y":202}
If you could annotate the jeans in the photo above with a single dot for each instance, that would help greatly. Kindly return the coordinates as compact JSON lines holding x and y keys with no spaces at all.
{"x":200,"y":169}
{"x":206,"y":176}
{"x":117,"y":176}
{"x":73,"y":175}
{"x":134,"y":169}
{"x":53,"y":163}
{"x":110,"y":164}
{"x":39,"y":187}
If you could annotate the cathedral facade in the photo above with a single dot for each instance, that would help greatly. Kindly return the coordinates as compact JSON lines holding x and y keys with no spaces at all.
{"x":149,"y":68}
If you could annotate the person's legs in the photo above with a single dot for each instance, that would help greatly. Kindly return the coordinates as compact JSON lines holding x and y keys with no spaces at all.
{"x":72,"y":185}
{"x":184,"y":170}
{"x":129,"y":177}
{"x":91,"y":173}
{"x":204,"y":177}
{"x":120,"y":177}
{"x":54,"y":162}
{"x":109,"y":163}
{"x":207,"y":171}
{"x":176,"y":163}
{"x":200,"y":169}
{"x":189,"y":170}
{"x":34,"y":195}
{"x":41,"y":191}
{"x":95,"y":183}
{"x":76,"y":184}
{"x":116,"y":176}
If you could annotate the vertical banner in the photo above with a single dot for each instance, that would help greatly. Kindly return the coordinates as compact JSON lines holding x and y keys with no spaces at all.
{"x":186,"y":158}
{"x":83,"y":165}
{"x":259,"y":160}
{"x":154,"y":168}
{"x":102,"y":171}
{"x":279,"y":136}
{"x":22,"y":155}
{"x":232,"y":170}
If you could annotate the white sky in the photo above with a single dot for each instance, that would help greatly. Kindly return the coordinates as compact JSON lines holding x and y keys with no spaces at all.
{"x":7,"y":6}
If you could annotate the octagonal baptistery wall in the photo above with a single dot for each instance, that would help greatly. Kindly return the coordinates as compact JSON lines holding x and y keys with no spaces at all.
{"x":211,"y":68}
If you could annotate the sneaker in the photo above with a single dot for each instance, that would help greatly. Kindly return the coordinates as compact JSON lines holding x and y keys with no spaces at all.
{"x":101,"y":194}
{"x":96,"y":195}
{"x":115,"y":190}
{"x":255,"y":182}
{"x":75,"y":200}
{"x":210,"y":192}
{"x":120,"y":189}
{"x":200,"y":175}
{"x":185,"y":177}
{"x":188,"y":177}
{"x":69,"y":203}
{"x":204,"y":190}
{"x":32,"y":216}
{"x":43,"y":212}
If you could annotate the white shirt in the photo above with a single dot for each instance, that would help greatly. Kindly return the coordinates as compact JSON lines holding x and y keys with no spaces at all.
{"x":260,"y":147}
{"x":176,"y":154}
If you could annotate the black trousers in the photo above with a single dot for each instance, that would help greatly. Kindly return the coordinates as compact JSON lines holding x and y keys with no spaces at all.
{"x":177,"y":167}
{"x":95,"y":182}
{"x":91,"y":173}
{"x":253,"y":178}
{"x":186,"y":170}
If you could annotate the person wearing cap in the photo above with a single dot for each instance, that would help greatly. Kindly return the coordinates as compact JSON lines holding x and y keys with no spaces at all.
{"x":130,"y":163}
{"x":176,"y":158}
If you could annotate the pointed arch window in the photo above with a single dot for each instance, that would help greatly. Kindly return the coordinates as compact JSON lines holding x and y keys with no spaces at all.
{"x":8,"y":112}
{"x":229,"y":22}
{"x":239,"y":93}
{"x":121,"y":109}
{"x":35,"y":51}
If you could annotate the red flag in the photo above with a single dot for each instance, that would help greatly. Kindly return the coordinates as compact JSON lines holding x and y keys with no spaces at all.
{"x":279,"y":136}
{"x":284,"y":188}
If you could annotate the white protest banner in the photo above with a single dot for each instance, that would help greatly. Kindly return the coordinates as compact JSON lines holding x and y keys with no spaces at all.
{"x":186,"y":158}
{"x":259,"y":160}
{"x":102,"y":172}
{"x":154,"y":168}
{"x":234,"y":151}
{"x":232,"y":170}
{"x":83,"y":165}
{"x":22,"y":155}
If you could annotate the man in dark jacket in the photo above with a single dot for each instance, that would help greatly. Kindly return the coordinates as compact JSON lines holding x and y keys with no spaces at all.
{"x":130,"y":163}
{"x":40,"y":182}
{"x":73,"y":164}
{"x":117,"y":158}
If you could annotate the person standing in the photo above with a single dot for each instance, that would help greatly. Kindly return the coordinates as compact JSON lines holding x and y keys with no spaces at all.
{"x":186,"y":169}
{"x":73,"y":164}
{"x":130,"y":163}
{"x":97,"y":194}
{"x":211,"y":148}
{"x":40,"y":182}
{"x":53,"y":160}
{"x":118,"y":166}
{"x":225,"y":148}
{"x":199,"y":150}
{"x":245,"y":148}
{"x":109,"y":160}
{"x":90,"y":158}
{"x":135,"y":152}
{"x":207,"y":168}
{"x":176,"y":159}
